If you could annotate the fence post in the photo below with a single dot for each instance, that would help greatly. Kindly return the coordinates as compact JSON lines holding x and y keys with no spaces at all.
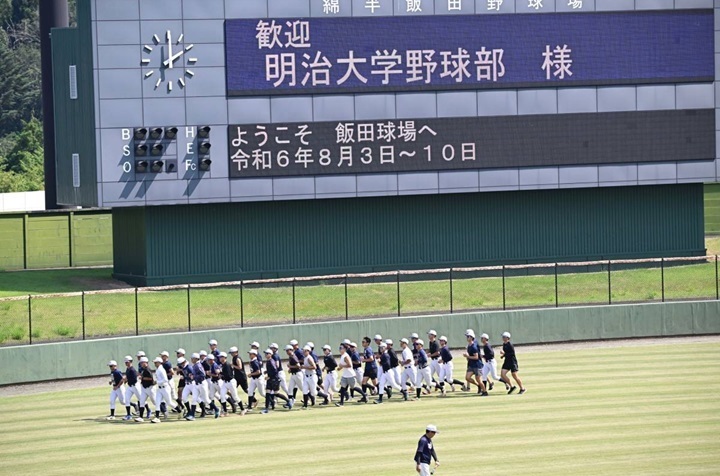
{"x":347,"y":314}
{"x":83,"y":314}
{"x":609,"y":285}
{"x":662,"y":278}
{"x":242,"y":311}
{"x":25,"y":238}
{"x":717,"y":285}
{"x":293,"y":294}
{"x":30,"y":318}
{"x":451,"y":291}
{"x":137,"y":316}
{"x":503,"y":286}
{"x":398,"y":291}
{"x":70,"y":241}
{"x":557,"y":302}
{"x":188,"y":309}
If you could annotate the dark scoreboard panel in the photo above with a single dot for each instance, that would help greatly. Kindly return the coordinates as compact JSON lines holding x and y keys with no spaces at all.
{"x":402,"y":145}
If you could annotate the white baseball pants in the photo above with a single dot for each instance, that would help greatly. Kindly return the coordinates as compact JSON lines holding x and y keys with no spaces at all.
{"x":191,"y":388}
{"x":163,"y":393}
{"x":446,"y":372}
{"x":435,"y":368}
{"x":423,"y":375}
{"x":283,"y":383}
{"x":147,"y":393}
{"x":131,"y":390}
{"x":330,"y":382}
{"x":424,"y":469}
{"x":231,"y":388}
{"x":256,"y":384}
{"x":296,"y":381}
{"x":117,"y":395}
{"x":490,"y":368}
{"x":310,"y":381}
{"x":408,"y":375}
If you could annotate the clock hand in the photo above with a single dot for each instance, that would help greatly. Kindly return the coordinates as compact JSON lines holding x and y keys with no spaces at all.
{"x":169,"y":43}
{"x":177,"y":55}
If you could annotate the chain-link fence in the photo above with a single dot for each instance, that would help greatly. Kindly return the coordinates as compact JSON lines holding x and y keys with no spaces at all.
{"x":136,"y":311}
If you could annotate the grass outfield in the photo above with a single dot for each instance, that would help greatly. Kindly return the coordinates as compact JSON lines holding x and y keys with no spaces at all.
{"x":59,"y":318}
{"x":628,"y":410}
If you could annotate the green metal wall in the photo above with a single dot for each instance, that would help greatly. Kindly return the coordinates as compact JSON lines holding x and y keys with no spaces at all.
{"x":75,"y":118}
{"x":88,"y":358}
{"x":179,"y":244}
{"x":55,"y":239}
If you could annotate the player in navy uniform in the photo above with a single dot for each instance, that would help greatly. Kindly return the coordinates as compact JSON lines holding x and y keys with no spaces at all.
{"x":371,"y":369}
{"x":425,"y":452}
{"x":510,"y":364}
{"x":394,"y":376}
{"x":131,"y":378}
{"x":273,"y":381}
{"x":214,"y":349}
{"x":255,"y":376}
{"x":147,"y":393}
{"x":318,"y":373}
{"x":357,"y":368}
{"x":200,"y":377}
{"x":238,"y":367}
{"x":189,"y":389}
{"x":489,"y":368}
{"x":180,"y":353}
{"x":295,"y":375}
{"x":386,"y":383}
{"x":422,"y":377}
{"x":281,"y":375}
{"x":447,"y":366}
{"x":214,"y":383}
{"x":116,"y":381}
{"x":472,"y":375}
{"x":167,"y":365}
{"x":433,"y":352}
{"x":330,"y":380}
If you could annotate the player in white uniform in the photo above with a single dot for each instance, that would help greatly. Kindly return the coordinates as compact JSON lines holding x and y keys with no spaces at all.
{"x":490,"y":367}
{"x":310,"y":379}
{"x":116,"y":393}
{"x":347,"y":376}
{"x":255,"y":378}
{"x":433,"y":352}
{"x":408,"y":365}
{"x":163,"y":389}
{"x":330,"y":380}
{"x":296,"y":380}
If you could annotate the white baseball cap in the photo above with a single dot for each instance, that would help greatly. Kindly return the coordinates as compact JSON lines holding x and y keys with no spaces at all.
{"x":165,"y":353}
{"x":128,"y":358}
{"x":252,"y":351}
{"x":470,"y":334}
{"x":469,"y":331}
{"x":308,"y":348}
{"x":485,"y":336}
{"x":432,"y":333}
{"x":140,"y":353}
{"x":311,"y":345}
{"x":443,"y":338}
{"x":404,"y":341}
{"x":112,"y":363}
{"x":211,"y":357}
{"x":378,"y":337}
{"x":195,"y":356}
{"x":180,"y":351}
{"x":255,"y":344}
{"x":212,"y":342}
{"x":157,"y":360}
{"x":353,"y":344}
{"x":203,"y":353}
{"x":274,"y":346}
{"x":382,"y":345}
{"x":144,"y":359}
{"x":223,"y":354}
{"x":420,"y":342}
{"x":293,"y":342}
{"x":181,"y":360}
{"x":268,"y":351}
{"x":432,"y":428}
{"x":346,"y":341}
{"x":388,"y":341}
{"x":327,"y":347}
{"x":288,"y":347}
{"x":414,"y":335}
{"x":233,"y":349}
{"x":506,"y":334}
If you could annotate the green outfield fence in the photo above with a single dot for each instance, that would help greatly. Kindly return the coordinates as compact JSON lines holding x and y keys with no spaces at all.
{"x":251,"y":303}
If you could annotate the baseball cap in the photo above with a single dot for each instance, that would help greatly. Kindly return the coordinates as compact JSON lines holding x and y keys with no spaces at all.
{"x":211,"y":357}
{"x":485,"y":336}
{"x":353,"y":344}
{"x":420,"y":342}
{"x":157,"y":360}
{"x":382,"y":345}
{"x":128,"y":358}
{"x":181,"y":360}
{"x":252,"y":351}
{"x":432,"y":333}
{"x":327,"y":347}
{"x":223,"y":354}
{"x":346,"y":341}
{"x":203,"y":353}
{"x":432,"y":428}
{"x":378,"y":337}
{"x":255,"y":344}
{"x":506,"y":334}
{"x":165,"y":353}
{"x":311,"y":345}
{"x":470,"y":334}
{"x":274,"y":346}
{"x":288,"y":347}
{"x":268,"y":351}
{"x":469,"y":331}
{"x":212,"y":342}
{"x":144,"y":359}
{"x":404,"y":341}
{"x":180,"y":351}
{"x":112,"y":363}
{"x":293,"y":342}
{"x":233,"y":349}
{"x":308,"y":348}
{"x":195,"y":356}
{"x":414,"y":335}
{"x":388,"y":342}
{"x":140,"y":353}
{"x":443,"y":338}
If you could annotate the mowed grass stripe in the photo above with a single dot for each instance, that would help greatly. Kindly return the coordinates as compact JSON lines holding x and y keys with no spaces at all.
{"x":617,"y":410}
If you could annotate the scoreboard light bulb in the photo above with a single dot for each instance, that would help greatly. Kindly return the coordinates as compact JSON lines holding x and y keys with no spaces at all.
{"x":140,"y":133}
{"x":204,"y":132}
{"x":204,"y":148}
{"x":156,"y":133}
{"x":171,"y":132}
{"x":141,"y":150}
{"x":157,"y":149}
{"x":205,"y":164}
{"x":141,"y":166}
{"x":157,"y":166}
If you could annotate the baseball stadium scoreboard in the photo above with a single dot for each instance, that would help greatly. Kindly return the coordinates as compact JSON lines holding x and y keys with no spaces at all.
{"x":246,"y":100}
